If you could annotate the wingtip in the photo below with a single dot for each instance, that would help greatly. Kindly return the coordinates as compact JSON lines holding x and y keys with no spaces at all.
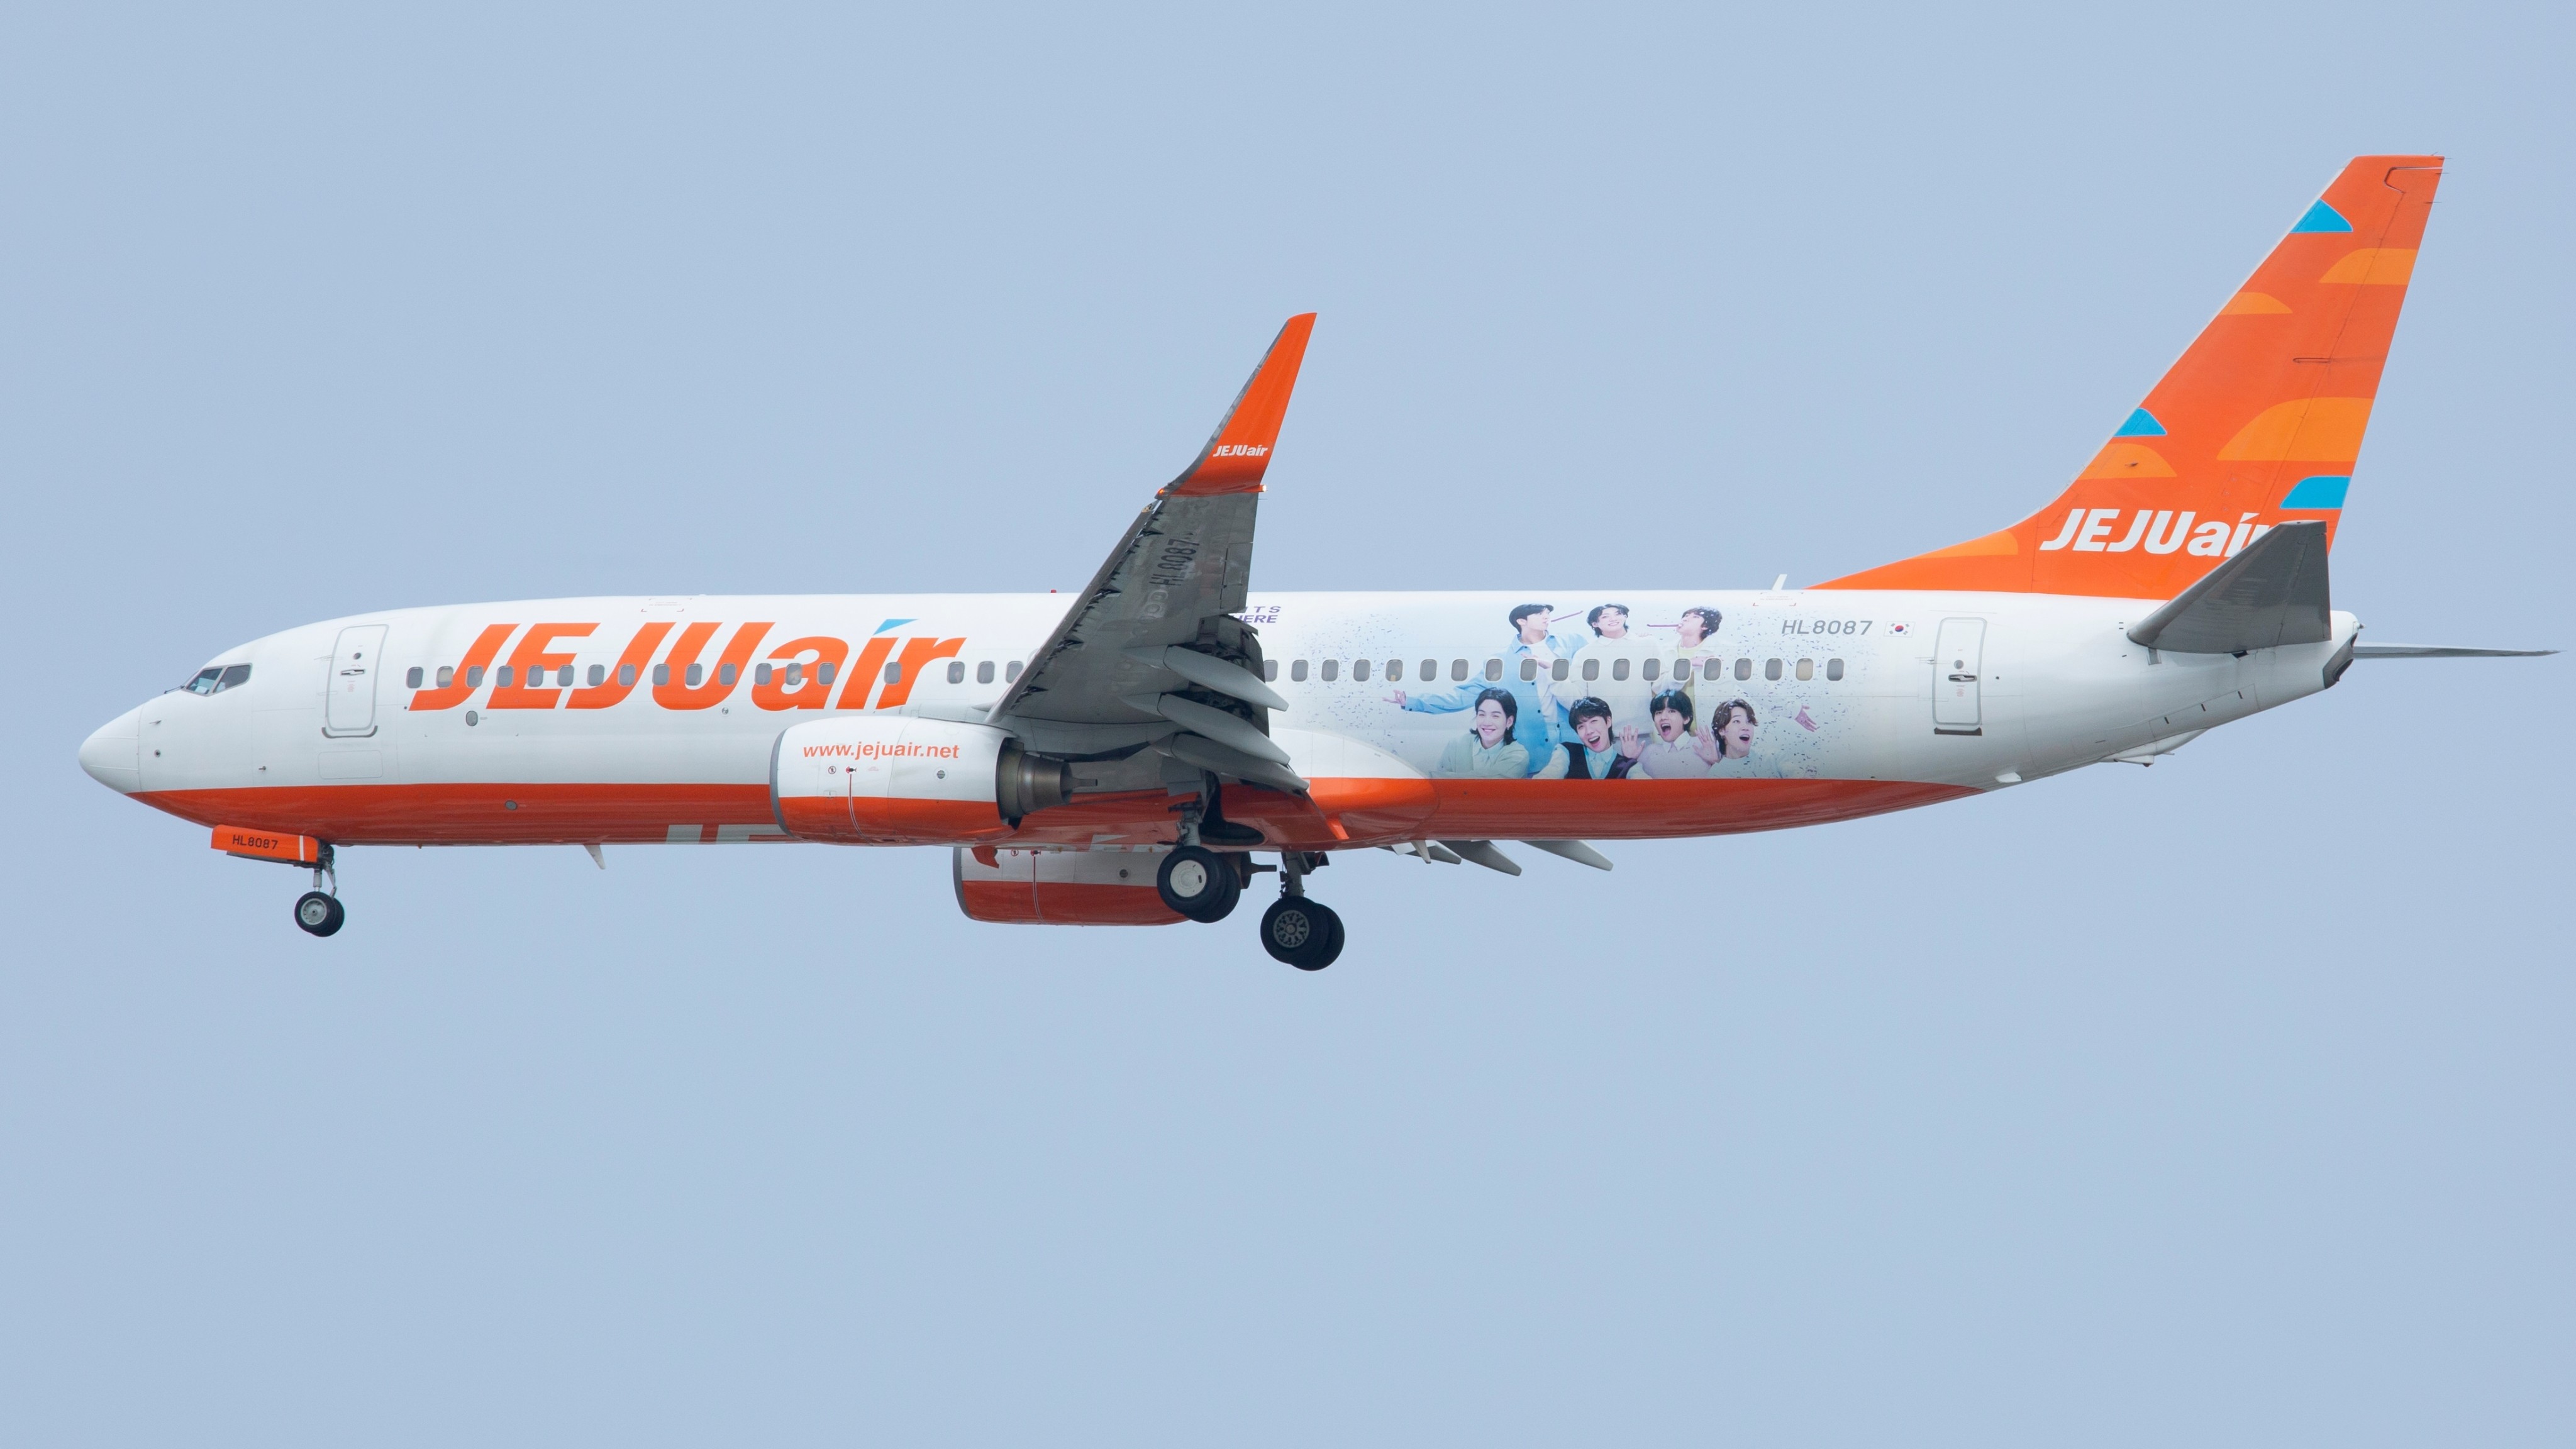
{"x":1238,"y":452}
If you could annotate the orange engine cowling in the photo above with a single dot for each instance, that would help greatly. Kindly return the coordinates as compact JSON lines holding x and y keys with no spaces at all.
{"x":897,"y":780}
{"x":1063,"y":887}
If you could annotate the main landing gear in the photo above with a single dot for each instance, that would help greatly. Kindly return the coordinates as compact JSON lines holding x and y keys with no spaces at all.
{"x":1199,"y":883}
{"x":1305,"y":934}
{"x":1205,"y":885}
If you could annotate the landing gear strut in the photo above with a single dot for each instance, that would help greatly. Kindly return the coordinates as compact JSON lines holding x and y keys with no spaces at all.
{"x":1305,"y":934}
{"x":318,"y":911}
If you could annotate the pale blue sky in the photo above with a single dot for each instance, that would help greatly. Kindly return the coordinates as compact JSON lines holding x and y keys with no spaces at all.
{"x":2222,"y":1103}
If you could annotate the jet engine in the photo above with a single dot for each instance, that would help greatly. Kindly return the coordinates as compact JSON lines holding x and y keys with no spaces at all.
{"x":899,"y":780}
{"x":1063,"y":887}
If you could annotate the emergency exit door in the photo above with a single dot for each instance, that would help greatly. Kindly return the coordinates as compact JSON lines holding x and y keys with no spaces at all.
{"x":1957,"y":707}
{"x":350,"y":708}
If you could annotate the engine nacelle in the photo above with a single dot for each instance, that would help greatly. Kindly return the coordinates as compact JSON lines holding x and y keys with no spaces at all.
{"x":1063,"y":887}
{"x":898,"y":780}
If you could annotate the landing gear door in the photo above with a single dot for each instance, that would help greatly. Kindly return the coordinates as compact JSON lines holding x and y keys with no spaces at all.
{"x":1959,"y":659}
{"x":349,"y":710}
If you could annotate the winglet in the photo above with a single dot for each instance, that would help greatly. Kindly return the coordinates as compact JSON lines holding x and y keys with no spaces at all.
{"x":1238,"y":453}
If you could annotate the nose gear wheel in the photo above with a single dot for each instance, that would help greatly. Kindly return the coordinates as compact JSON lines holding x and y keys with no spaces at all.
{"x":319,"y":914}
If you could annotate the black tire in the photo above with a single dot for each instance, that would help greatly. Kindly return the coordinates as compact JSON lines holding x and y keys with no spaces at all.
{"x":1332,"y":952}
{"x":1198,"y":884}
{"x":319,"y":914}
{"x":1304,"y":934}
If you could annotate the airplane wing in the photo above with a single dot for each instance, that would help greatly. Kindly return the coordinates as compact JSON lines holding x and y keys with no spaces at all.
{"x":1152,"y":639}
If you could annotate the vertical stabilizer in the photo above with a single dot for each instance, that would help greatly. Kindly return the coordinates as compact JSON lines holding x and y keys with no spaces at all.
{"x":2258,"y":424}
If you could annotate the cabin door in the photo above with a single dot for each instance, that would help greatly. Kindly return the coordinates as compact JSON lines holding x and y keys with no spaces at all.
{"x":1957,"y":706}
{"x":350,"y":708}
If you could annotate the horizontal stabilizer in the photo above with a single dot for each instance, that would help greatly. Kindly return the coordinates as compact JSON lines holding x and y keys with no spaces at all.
{"x":2441,"y":651}
{"x":2271,"y":594}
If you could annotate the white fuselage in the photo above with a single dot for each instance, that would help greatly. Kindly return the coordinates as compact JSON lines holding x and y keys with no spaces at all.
{"x":1857,"y":702}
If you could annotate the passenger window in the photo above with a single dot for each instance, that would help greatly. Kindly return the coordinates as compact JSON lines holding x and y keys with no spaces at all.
{"x":1011,"y":671}
{"x":894,"y":673}
{"x":1618,"y":669}
{"x":824,"y":673}
{"x":1270,"y":670}
{"x":598,"y":675}
{"x":1806,"y":670}
{"x":1431,"y":670}
{"x":446,"y":675}
{"x":760,"y":674}
{"x":503,"y":676}
{"x":1833,"y":669}
{"x":661,"y":675}
{"x":1652,"y":669}
{"x":1493,"y":670}
{"x":626,"y":676}
{"x":726,"y":674}
{"x":1744,"y":669}
{"x":957,"y":671}
{"x":1331,"y":668}
{"x":1592,"y":668}
{"x":1394,"y":670}
{"x":1557,"y":670}
{"x":795,"y":673}
{"x":697,"y":675}
{"x":563,"y":676}
{"x":1711,"y":668}
{"x":1529,"y":670}
{"x":1297,"y":671}
{"x":1359,"y":670}
{"x":1770,"y":668}
{"x":411,"y":677}
{"x":983,"y":671}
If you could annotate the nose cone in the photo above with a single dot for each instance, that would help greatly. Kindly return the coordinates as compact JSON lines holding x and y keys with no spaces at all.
{"x":114,"y":755}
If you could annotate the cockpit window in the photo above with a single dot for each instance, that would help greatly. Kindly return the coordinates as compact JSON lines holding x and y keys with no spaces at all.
{"x":205,"y":681}
{"x":235,"y":675}
{"x":216,"y":678}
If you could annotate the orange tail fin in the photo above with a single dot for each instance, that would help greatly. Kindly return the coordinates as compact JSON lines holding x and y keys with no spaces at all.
{"x":2258,"y":424}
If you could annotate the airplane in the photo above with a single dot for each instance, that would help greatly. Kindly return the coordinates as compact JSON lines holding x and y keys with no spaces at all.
{"x":1125,"y":754}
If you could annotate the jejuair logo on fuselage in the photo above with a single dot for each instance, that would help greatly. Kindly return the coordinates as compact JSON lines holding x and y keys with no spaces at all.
{"x":813,"y":671}
{"x":2158,"y":531}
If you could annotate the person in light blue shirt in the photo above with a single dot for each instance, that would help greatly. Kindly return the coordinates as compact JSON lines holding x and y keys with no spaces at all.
{"x":1538,"y":722}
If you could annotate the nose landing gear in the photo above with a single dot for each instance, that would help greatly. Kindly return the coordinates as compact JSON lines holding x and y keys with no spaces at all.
{"x":318,"y":913}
